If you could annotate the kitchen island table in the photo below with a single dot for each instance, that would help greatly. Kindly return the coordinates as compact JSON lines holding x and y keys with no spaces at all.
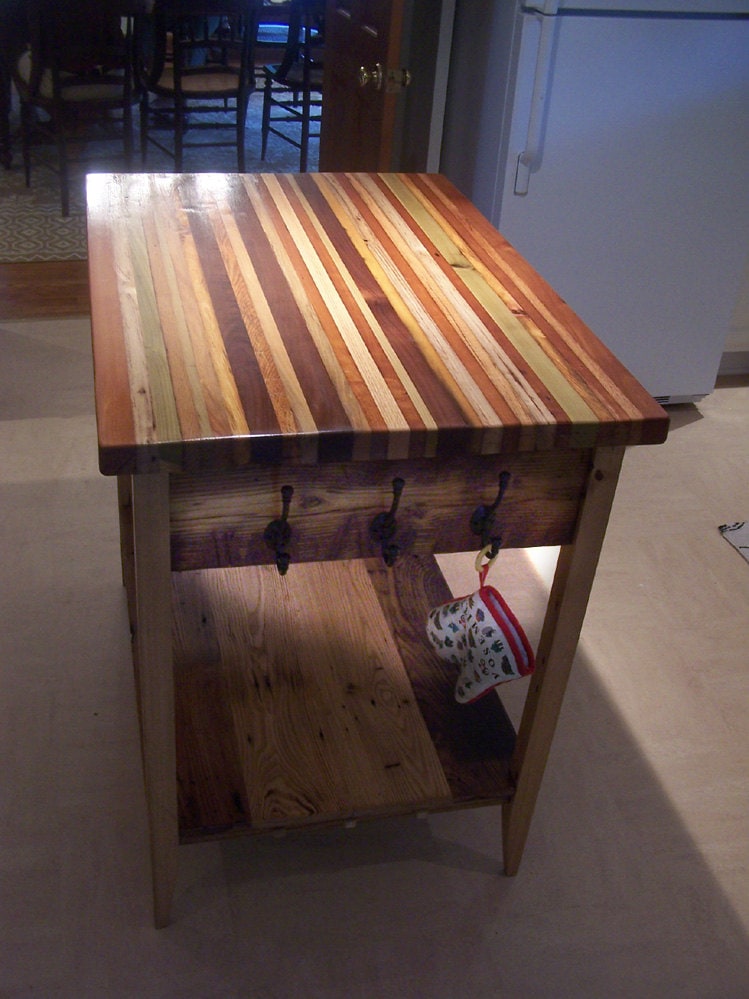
{"x":308,"y":385}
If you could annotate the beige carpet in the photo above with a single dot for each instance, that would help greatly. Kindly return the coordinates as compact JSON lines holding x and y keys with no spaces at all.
{"x":634,"y":883}
{"x":31,"y":226}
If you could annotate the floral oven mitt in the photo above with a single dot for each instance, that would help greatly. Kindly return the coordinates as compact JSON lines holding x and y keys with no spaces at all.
{"x":480,"y":634}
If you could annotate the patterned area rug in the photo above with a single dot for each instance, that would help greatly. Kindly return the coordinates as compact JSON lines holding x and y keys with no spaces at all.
{"x":31,"y":226}
{"x":737,"y":534}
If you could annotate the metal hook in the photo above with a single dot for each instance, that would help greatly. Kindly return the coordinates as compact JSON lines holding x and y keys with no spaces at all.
{"x":384,"y":525}
{"x":482,"y":518}
{"x":278,"y":533}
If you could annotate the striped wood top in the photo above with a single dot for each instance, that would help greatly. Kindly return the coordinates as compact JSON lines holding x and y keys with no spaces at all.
{"x":331,"y":317}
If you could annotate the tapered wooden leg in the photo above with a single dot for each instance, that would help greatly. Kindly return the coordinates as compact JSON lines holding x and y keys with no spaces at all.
{"x":152,"y":652}
{"x":125,"y":507}
{"x":568,"y":601}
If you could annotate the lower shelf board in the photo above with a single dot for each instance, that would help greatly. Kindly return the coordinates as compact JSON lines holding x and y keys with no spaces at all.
{"x":315,"y":697}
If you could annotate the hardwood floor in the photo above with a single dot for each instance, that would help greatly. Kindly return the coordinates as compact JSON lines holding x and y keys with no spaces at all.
{"x":49,"y":290}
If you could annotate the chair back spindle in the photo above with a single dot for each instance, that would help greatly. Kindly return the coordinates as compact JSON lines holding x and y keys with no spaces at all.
{"x":196,"y":66}
{"x":78,"y":68}
{"x":292,"y":93}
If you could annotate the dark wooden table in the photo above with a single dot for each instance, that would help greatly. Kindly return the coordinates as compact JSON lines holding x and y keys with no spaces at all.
{"x":14,"y":33}
{"x":332,"y":333}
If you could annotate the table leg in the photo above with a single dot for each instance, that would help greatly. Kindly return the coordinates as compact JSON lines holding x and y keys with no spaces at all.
{"x":125,"y":506}
{"x":152,"y":653}
{"x":568,"y":601}
{"x":6,"y":153}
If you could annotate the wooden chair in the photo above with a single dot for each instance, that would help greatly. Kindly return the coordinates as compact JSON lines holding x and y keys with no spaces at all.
{"x":292,"y":95}
{"x":272,"y":34}
{"x":14,"y":31}
{"x":196,"y":67}
{"x":77,"y":71}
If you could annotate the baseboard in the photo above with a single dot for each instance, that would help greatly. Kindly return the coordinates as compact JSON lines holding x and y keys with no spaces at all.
{"x":734,"y":362}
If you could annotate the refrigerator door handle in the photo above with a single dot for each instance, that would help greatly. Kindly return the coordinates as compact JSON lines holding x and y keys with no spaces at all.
{"x":529,"y":159}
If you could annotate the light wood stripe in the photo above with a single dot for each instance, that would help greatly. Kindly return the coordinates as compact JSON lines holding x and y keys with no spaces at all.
{"x":391,"y":366}
{"x":290,"y":321}
{"x":144,"y":415}
{"x":253,"y":391}
{"x":514,"y":327}
{"x":498,"y":383}
{"x":173,"y":320}
{"x":452,"y":228}
{"x":413,"y":348}
{"x":463,"y":320}
{"x":345,"y":326}
{"x":506,"y":274}
{"x":332,"y":317}
{"x":499,"y":279}
{"x":403,"y":294}
{"x":355,"y":342}
{"x":318,"y":312}
{"x":216,"y":378}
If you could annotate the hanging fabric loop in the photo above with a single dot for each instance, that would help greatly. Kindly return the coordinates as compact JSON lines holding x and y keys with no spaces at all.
{"x":490,"y":553}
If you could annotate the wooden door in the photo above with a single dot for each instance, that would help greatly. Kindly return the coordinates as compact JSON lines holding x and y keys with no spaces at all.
{"x":358,"y":100}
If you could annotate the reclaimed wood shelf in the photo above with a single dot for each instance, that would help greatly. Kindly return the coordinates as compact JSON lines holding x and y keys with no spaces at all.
{"x":316,"y":698}
{"x":330,"y":333}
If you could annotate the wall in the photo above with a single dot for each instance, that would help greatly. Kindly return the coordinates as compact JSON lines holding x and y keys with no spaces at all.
{"x":738,"y":335}
{"x":735,"y":360}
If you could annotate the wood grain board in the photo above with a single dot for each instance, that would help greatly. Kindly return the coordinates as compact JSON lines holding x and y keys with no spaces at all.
{"x":315,"y":697}
{"x":331,"y":317}
{"x":330,"y":332}
{"x":219,"y":519}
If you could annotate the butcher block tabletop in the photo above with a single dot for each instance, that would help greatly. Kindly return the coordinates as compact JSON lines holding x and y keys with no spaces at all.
{"x":332,"y":317}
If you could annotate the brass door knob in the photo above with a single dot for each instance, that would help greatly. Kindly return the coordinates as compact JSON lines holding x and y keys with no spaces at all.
{"x":374,"y":76}
{"x":397,"y":79}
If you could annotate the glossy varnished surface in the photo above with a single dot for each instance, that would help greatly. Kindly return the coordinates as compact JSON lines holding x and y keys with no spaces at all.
{"x":331,"y":317}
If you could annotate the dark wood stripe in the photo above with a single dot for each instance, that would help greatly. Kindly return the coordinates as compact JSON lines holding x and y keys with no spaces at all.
{"x":497,"y":387}
{"x":210,"y":782}
{"x":318,"y":389}
{"x":474,"y":742}
{"x":447,"y":407}
{"x":396,"y":334}
{"x":336,"y":267}
{"x":354,"y":382}
{"x":253,"y":392}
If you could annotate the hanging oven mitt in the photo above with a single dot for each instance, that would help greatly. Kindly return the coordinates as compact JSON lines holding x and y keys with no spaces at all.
{"x":480,"y":634}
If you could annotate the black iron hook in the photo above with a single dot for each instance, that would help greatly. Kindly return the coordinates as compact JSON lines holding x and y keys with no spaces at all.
{"x":384,"y":525}
{"x":482,"y":518}
{"x":278,"y":533}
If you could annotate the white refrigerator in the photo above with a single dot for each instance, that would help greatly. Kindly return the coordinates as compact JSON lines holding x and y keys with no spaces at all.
{"x":608,"y":140}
